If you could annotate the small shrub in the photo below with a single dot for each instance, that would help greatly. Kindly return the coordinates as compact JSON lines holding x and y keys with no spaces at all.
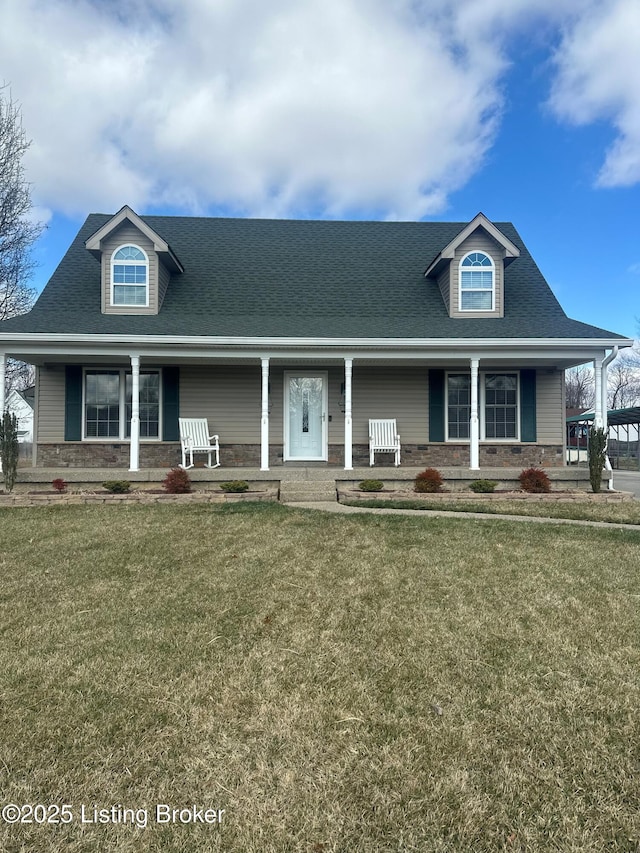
{"x":59,"y":485}
{"x":177,"y":482}
{"x":597,"y":456}
{"x":371,"y":486}
{"x":9,"y":449}
{"x":428,"y":480}
{"x":534,"y":480}
{"x":235,"y":486}
{"x":483,"y":486}
{"x":117,"y":487}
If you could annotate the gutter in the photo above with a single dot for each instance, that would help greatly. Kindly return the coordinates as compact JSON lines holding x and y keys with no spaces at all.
{"x":315,"y":342}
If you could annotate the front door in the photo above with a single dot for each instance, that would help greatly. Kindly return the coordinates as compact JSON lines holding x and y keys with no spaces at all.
{"x":305,"y":408}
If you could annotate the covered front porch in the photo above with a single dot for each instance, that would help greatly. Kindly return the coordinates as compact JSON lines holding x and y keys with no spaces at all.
{"x":301,"y":404}
{"x":316,"y":409}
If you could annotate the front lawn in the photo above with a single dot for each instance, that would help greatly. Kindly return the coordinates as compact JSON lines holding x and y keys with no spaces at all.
{"x":345,"y":683}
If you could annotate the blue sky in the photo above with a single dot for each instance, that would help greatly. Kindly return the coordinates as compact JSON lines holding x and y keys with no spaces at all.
{"x":528,"y":110}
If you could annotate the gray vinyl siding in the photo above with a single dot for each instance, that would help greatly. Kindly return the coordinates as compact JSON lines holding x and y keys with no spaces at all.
{"x":336,"y":423}
{"x":391,"y":392}
{"x":164,"y":277}
{"x":479,"y":241}
{"x":50,"y":395}
{"x":549,"y":407}
{"x":444,"y":283}
{"x":228,"y":396}
{"x":126,"y":234}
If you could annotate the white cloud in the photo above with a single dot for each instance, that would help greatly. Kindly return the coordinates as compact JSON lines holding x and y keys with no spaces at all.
{"x":599,"y":79}
{"x":331,"y":107}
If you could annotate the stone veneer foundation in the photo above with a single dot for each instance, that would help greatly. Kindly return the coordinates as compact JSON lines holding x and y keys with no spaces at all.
{"x":167,"y":454}
{"x":78,"y":454}
{"x":491,"y":455}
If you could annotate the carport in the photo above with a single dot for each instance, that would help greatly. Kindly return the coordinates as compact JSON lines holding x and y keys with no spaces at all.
{"x":624,"y":437}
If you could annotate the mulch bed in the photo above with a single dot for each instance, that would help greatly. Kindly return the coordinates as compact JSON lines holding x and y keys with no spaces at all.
{"x":40,"y":498}
{"x":469,"y":496}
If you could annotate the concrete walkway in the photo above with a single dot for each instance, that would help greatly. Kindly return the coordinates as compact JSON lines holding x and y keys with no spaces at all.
{"x":328,"y":506}
{"x":627,"y":481}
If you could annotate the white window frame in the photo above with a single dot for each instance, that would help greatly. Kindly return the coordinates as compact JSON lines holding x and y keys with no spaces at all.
{"x":482,"y":396}
{"x":483,"y":410}
{"x":449,"y":373}
{"x":144,"y":263}
{"x":461,"y":292}
{"x":122,"y":437}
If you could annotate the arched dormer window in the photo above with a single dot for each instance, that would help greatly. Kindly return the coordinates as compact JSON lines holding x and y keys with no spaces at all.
{"x":477,"y":282}
{"x":130,"y":277}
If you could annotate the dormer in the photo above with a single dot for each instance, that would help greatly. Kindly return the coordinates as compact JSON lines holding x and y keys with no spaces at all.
{"x":136,"y":264}
{"x":470,"y":270}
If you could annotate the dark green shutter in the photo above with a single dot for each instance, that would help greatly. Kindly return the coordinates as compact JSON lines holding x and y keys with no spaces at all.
{"x":170,"y":403}
{"x":73,"y":403}
{"x":436,"y":405}
{"x":528,"y":428}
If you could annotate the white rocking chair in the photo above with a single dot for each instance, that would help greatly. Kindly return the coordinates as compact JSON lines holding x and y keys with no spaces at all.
{"x":384,"y":438}
{"x":195,"y":438}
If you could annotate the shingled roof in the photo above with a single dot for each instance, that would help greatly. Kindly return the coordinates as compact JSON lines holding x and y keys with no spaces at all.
{"x":284,"y":278}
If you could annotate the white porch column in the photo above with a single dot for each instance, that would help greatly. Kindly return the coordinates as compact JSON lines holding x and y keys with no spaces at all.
{"x":605,"y":385}
{"x":474,"y":422}
{"x":348,"y":420}
{"x":597,"y":420}
{"x":264,"y":418}
{"x":134,"y":447}
{"x":3,"y":377}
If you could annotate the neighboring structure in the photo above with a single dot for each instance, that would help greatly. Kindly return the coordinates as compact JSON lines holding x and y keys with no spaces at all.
{"x":577,"y":437}
{"x":20,"y":404}
{"x":290,"y":335}
{"x":623,"y":446}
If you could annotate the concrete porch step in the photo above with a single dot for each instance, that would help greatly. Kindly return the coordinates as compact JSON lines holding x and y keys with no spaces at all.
{"x":295,"y":491}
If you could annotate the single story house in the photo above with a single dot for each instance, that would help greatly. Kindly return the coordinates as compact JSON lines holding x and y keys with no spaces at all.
{"x":288,"y":336}
{"x":20,"y":404}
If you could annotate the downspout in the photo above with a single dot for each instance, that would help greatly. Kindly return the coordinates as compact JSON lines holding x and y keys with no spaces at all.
{"x":603,"y":388}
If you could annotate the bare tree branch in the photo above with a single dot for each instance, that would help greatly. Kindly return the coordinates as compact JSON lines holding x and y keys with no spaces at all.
{"x":624,"y":381}
{"x":18,"y":232}
{"x":580,"y":392}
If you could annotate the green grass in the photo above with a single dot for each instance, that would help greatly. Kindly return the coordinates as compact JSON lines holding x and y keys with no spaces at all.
{"x":334,"y":682}
{"x":627,"y":512}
